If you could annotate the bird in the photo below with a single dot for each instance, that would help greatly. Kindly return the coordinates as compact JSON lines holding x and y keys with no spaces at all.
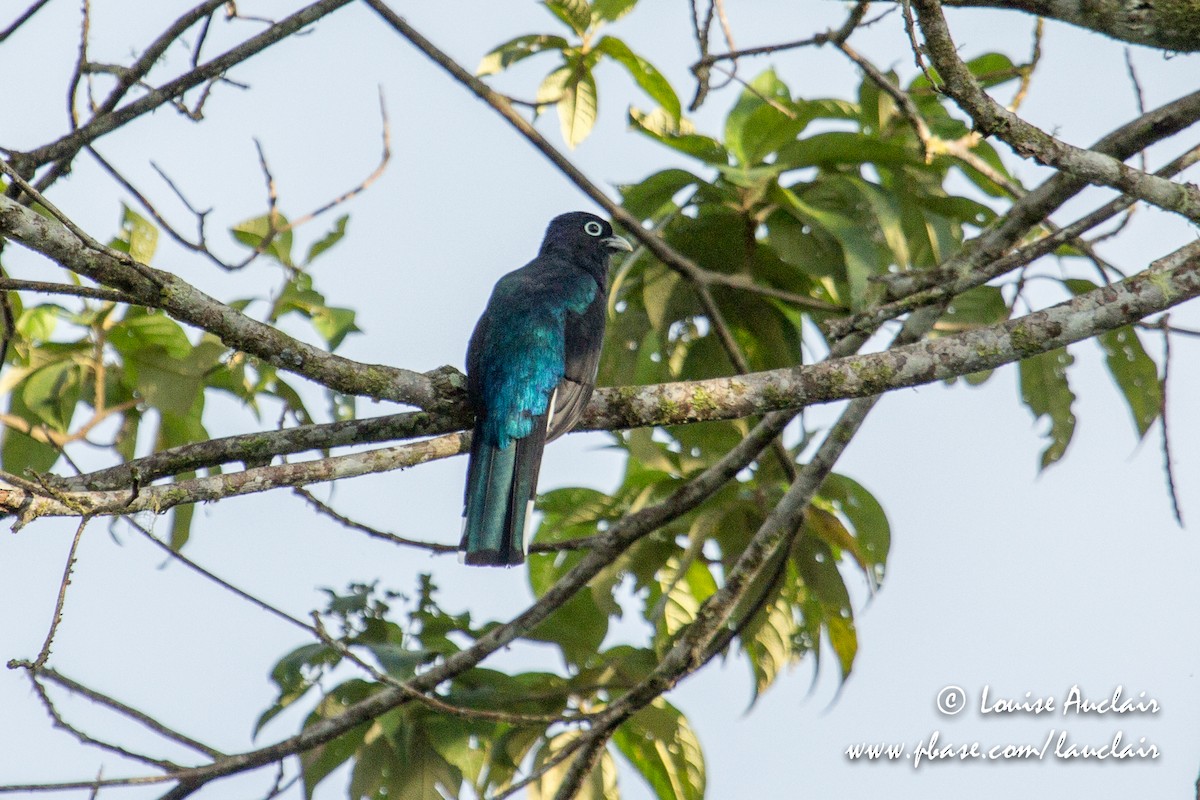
{"x":531,"y":369}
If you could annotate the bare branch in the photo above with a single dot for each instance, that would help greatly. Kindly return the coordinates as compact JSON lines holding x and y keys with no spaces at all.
{"x":56,"y":502}
{"x":1029,"y":141}
{"x":175,"y":555}
{"x":253,"y":447}
{"x":1167,"y":25}
{"x":44,"y":287}
{"x":616,"y":540}
{"x":344,"y":521}
{"x":25,"y":16}
{"x":83,"y":738}
{"x":165,"y":290}
{"x":44,"y":653}
{"x":1169,"y":281}
{"x":56,"y":677}
{"x":110,"y":118}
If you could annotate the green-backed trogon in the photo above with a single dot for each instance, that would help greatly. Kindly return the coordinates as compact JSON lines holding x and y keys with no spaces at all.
{"x":531,"y":368}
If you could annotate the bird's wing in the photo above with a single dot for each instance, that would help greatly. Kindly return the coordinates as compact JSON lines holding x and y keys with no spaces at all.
{"x":570,"y":399}
{"x":583,"y":335}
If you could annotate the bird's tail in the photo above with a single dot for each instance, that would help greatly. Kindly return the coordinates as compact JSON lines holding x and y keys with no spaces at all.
{"x":501,"y":483}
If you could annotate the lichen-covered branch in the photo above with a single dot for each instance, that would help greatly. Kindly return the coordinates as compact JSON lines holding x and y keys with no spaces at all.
{"x":261,"y":446}
{"x":1030,"y":141}
{"x":1168,"y":282}
{"x":1172,"y":25}
{"x":159,"y":289}
{"x":28,"y":505}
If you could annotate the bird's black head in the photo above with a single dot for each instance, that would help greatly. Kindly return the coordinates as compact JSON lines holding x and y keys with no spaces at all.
{"x":584,"y":238}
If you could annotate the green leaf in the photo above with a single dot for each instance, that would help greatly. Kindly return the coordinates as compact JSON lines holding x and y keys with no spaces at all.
{"x":611,"y":10}
{"x":660,"y":744}
{"x":317,"y":764}
{"x":963,"y":209}
{"x":990,"y":69}
{"x":647,"y":77}
{"x":137,"y":236}
{"x":37,"y":324}
{"x":141,"y":331}
{"x":52,"y":393}
{"x":680,"y":137}
{"x":575,"y":14}
{"x":877,"y":109}
{"x":328,"y":240}
{"x":974,"y":308}
{"x":253,"y":234}
{"x":1135,"y":374}
{"x":660,"y":286}
{"x":884,"y":208}
{"x":20,"y":452}
{"x":676,"y":598}
{"x":164,"y":381}
{"x":518,"y":49}
{"x":334,"y":324}
{"x":993,"y":69}
{"x":576,"y":101}
{"x":181,"y":517}
{"x":871,"y":528}
{"x":295,"y":674}
{"x":420,"y":772}
{"x":844,"y":639}
{"x":396,"y":659}
{"x":1044,"y":389}
{"x":577,"y":627}
{"x":845,"y":147}
{"x":654,"y":195}
{"x":768,"y":641}
{"x":762,"y":121}
{"x":859,"y":254}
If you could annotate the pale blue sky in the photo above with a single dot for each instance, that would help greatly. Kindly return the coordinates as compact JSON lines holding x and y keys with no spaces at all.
{"x":997,"y":576}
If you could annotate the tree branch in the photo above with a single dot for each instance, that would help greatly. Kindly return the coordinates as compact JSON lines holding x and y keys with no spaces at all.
{"x":975,"y":262}
{"x":252,"y":447}
{"x":110,"y":118}
{"x":1171,"y":280}
{"x":615,"y":541}
{"x":1170,"y":25}
{"x":24,"y":17}
{"x":159,"y":289}
{"x":1028,"y":141}
{"x":56,"y":503}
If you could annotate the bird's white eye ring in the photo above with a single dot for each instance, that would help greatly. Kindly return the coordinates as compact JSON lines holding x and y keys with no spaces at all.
{"x":593,"y":228}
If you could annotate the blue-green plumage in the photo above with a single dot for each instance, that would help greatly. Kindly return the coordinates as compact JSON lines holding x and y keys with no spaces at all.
{"x":531,"y":367}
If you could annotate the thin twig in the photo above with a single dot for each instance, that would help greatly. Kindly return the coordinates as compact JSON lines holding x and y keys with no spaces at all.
{"x":375,"y":533}
{"x":25,"y":16}
{"x":44,"y":653}
{"x":80,"y":736}
{"x":224,"y":584}
{"x":1026,"y":70}
{"x":917,"y":50}
{"x":45,"y":287}
{"x":84,"y":238}
{"x":126,"y":711}
{"x":80,"y":60}
{"x":1168,"y":462}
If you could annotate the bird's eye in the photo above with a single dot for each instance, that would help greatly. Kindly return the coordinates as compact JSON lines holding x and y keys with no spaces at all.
{"x":593,"y":228}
